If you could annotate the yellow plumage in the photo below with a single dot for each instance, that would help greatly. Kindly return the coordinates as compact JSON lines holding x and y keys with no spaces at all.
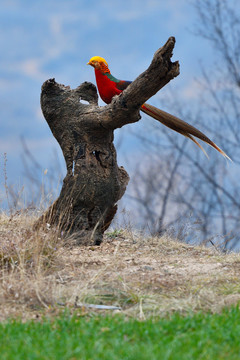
{"x":98,"y":59}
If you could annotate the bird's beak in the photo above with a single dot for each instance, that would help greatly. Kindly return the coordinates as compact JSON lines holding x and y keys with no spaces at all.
{"x":88,"y":63}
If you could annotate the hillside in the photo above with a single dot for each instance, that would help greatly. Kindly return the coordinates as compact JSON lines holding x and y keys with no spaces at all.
{"x":142,"y":277}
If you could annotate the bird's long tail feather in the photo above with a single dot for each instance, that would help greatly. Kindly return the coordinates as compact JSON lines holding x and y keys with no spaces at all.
{"x":180,"y":126}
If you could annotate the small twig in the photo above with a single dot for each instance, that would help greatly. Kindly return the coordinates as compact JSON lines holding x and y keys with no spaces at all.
{"x":99,"y":307}
{"x":141,"y":313}
{"x":92,"y":306}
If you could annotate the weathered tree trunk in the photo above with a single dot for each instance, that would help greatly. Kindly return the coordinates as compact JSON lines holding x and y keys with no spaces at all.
{"x":94,"y":182}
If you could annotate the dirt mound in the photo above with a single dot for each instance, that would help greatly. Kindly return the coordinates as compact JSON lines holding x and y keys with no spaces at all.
{"x":128,"y":273}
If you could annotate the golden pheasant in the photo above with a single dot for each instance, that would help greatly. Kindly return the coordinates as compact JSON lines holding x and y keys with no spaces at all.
{"x":109,"y":86}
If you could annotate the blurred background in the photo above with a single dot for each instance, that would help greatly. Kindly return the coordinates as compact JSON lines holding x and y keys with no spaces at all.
{"x":174,"y":188}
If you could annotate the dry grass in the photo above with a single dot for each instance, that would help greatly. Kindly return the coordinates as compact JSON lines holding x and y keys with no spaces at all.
{"x":145,"y":277}
{"x":27,"y":260}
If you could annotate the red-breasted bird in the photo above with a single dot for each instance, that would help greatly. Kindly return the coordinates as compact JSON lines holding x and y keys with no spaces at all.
{"x":109,"y":86}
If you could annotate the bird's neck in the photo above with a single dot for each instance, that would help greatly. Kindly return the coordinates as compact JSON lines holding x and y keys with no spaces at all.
{"x":104,"y":68}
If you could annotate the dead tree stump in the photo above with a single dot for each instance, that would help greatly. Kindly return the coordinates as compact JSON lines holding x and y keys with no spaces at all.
{"x":94,"y":183}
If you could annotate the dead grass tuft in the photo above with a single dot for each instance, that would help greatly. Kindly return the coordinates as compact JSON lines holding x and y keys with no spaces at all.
{"x":143,"y":277}
{"x":27,"y":262}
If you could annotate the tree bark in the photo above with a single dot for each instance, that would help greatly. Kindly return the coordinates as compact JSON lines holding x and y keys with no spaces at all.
{"x":94,"y":182}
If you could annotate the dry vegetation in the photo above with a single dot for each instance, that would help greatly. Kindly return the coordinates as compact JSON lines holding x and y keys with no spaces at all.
{"x":41,"y":275}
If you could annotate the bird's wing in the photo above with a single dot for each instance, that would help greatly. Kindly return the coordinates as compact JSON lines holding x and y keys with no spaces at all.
{"x":120,"y":84}
{"x":123,"y":84}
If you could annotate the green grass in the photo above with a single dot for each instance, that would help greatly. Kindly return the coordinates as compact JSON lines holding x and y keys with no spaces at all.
{"x":199,"y":336}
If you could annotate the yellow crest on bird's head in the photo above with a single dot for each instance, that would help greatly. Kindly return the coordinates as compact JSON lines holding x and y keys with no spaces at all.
{"x":98,"y":59}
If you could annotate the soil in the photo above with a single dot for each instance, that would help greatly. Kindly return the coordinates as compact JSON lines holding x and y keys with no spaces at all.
{"x":127,"y":274}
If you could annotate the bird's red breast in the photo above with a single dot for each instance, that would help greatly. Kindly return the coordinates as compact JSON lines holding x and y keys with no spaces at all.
{"x":106,"y":87}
